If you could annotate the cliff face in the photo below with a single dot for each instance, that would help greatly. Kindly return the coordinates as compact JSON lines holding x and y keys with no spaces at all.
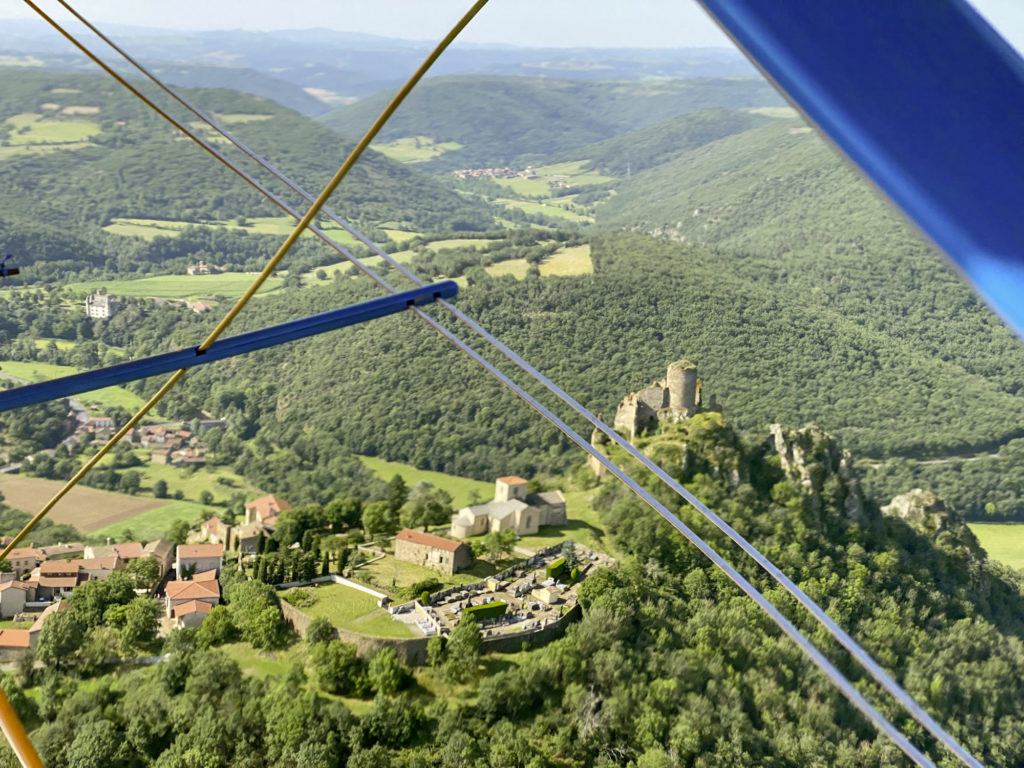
{"x":812,"y":458}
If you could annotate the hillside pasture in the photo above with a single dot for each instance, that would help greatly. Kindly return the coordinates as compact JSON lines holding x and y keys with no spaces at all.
{"x":30,"y":128}
{"x":278,"y":226}
{"x":461,"y":489}
{"x":178,"y":286}
{"x":550,"y":209}
{"x":415,"y":149}
{"x":1004,"y":542}
{"x":152,"y":524}
{"x":568,"y":261}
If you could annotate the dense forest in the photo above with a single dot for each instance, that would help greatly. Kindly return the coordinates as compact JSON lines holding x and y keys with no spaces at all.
{"x":670,"y":665}
{"x":507,"y":120}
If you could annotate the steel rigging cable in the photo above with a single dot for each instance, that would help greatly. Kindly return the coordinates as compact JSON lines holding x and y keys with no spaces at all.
{"x":841,"y":636}
{"x":865,"y":659}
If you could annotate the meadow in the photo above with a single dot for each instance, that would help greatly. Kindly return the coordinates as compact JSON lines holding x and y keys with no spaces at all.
{"x":178,"y":286}
{"x":415,"y":149}
{"x":152,"y":524}
{"x":1004,"y":542}
{"x":463,"y":490}
{"x":31,"y":129}
{"x":262,"y":225}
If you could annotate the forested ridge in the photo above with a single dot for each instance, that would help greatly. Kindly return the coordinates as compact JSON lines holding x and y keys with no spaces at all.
{"x":670,"y":664}
{"x":507,"y":120}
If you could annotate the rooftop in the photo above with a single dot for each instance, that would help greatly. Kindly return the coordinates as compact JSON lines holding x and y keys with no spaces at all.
{"x":192,"y":606}
{"x":15,"y":638}
{"x":428,"y":539}
{"x":200,"y":550}
{"x":192,"y":590}
{"x":512,"y":480}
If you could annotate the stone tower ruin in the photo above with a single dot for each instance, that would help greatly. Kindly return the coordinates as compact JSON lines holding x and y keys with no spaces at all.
{"x":676,"y":398}
{"x":683,"y":386}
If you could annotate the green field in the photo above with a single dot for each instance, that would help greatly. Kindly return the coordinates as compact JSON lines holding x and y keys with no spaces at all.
{"x":545,"y":209}
{"x":153,"y":524}
{"x":266,"y":225}
{"x":107,"y":397}
{"x":62,"y":344}
{"x":178,"y":286}
{"x":780,"y":113}
{"x":1004,"y":542}
{"x":43,"y":131}
{"x":568,"y":261}
{"x":400,"y":236}
{"x":348,"y":608}
{"x":515,"y":267}
{"x":470,"y":242}
{"x":389,"y":573}
{"x":526,"y":187}
{"x":415,"y":149}
{"x":461,"y":489}
{"x":219,"y":481}
{"x":572,"y":173}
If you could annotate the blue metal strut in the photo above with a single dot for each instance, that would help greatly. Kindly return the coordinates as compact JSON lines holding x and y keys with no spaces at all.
{"x":235,"y":345}
{"x":927,"y":99}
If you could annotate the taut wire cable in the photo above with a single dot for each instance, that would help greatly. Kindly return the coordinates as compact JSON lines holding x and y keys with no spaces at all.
{"x":855,"y":650}
{"x":839,"y":634}
{"x":9,"y":721}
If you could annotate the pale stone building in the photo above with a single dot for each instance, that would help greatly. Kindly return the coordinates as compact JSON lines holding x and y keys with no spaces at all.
{"x":512,"y":508}
{"x":431,"y":551}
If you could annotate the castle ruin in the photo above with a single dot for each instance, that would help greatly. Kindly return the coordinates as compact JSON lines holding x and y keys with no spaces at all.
{"x":674,"y":399}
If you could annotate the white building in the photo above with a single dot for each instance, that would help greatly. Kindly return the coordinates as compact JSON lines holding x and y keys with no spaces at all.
{"x":100,"y":305}
{"x":512,"y":508}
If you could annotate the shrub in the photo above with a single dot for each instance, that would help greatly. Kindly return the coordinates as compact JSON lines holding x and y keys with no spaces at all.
{"x":486,"y":611}
{"x":554,"y":570}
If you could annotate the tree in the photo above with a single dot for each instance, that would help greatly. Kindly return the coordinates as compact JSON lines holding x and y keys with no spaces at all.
{"x":387,"y":674}
{"x":144,"y":572}
{"x":435,"y":651}
{"x":97,"y":743}
{"x":60,"y":637}
{"x":205,"y":497}
{"x":178,"y":532}
{"x":255,"y":611}
{"x":398,"y":493}
{"x":379,"y":519}
{"x":320,"y":630}
{"x":217,"y":628}
{"x":160,"y":489}
{"x":337,"y":668}
{"x":463,"y":650}
{"x":496,"y":545}
{"x":130,"y":483}
{"x":141,"y":623}
{"x":432,"y":506}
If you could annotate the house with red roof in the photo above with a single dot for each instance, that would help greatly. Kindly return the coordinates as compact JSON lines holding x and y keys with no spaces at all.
{"x":264,"y":508}
{"x":193,"y":558}
{"x":13,"y":596}
{"x":57,"y":578}
{"x":24,"y":559}
{"x":192,"y":613}
{"x":14,"y":643}
{"x":431,"y":551}
{"x":182,"y":592}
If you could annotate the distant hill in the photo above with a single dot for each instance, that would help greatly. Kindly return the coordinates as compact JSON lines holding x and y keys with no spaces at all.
{"x":635,"y":151}
{"x":352,"y":65}
{"x":77,"y":151}
{"x":500,"y":120}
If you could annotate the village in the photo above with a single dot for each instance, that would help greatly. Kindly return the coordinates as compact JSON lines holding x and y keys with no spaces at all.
{"x":531,"y":599}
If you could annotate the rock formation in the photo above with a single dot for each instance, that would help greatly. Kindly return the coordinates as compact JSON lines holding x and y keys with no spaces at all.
{"x":673,"y":399}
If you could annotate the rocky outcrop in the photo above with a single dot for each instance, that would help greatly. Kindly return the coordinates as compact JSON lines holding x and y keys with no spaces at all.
{"x":812,"y":458}
{"x":928,"y":515}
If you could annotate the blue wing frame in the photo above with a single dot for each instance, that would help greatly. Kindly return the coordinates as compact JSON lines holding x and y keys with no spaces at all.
{"x":927,"y":99}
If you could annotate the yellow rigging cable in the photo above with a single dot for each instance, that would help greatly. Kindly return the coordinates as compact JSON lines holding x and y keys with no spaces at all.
{"x":9,"y":722}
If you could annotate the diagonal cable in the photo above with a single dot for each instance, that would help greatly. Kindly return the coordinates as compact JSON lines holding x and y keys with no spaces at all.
{"x":871,"y":666}
{"x":833,"y":628}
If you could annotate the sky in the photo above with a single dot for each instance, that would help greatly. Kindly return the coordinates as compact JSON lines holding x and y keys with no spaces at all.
{"x":557,"y":23}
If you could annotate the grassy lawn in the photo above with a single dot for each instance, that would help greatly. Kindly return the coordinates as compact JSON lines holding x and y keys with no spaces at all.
{"x":178,"y":286}
{"x":415,"y":149}
{"x":265,"y":663}
{"x":569,"y":261}
{"x":584,"y":526}
{"x":383,"y":572}
{"x":1004,"y":542}
{"x":62,"y":344}
{"x":11,"y":624}
{"x":350,"y":609}
{"x":150,"y":525}
{"x":98,"y":400}
{"x":515,"y":267}
{"x":460,"y":488}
